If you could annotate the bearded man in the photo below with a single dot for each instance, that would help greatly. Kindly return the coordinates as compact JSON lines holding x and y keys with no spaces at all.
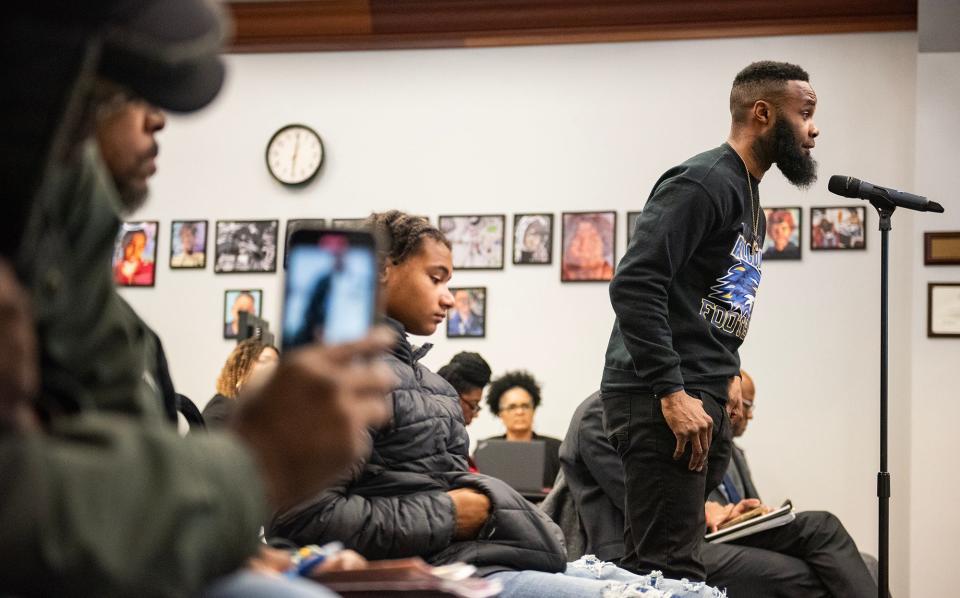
{"x":683,"y":296}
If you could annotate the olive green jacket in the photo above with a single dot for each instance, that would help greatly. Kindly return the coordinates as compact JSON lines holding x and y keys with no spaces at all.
{"x":108,"y":500}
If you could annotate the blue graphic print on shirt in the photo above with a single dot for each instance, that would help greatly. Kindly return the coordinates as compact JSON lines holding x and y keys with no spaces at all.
{"x":735,"y":292}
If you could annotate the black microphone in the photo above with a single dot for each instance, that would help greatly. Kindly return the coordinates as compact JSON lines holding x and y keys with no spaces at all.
{"x":847,"y":186}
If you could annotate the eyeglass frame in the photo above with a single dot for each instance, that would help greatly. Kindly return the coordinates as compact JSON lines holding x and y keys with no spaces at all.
{"x":518,"y":406}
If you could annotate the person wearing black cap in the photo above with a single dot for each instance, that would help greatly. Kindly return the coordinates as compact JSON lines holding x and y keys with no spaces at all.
{"x":100,"y":494}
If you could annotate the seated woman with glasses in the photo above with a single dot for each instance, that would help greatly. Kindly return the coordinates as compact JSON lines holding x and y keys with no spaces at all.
{"x":467,"y":373}
{"x":514,"y":397}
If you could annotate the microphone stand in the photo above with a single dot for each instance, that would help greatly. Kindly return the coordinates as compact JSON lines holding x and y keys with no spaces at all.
{"x":885,"y":210}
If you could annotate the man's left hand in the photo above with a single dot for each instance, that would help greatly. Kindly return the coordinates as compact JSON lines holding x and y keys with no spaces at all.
{"x":735,"y":399}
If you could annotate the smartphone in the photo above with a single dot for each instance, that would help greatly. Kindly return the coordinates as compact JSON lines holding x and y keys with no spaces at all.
{"x":747,"y":516}
{"x":330,"y":293}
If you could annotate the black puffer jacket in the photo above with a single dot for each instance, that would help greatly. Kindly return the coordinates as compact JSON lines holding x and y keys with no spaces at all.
{"x":395,"y":504}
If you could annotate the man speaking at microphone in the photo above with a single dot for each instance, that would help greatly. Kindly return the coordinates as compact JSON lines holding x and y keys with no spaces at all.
{"x":683,"y":296}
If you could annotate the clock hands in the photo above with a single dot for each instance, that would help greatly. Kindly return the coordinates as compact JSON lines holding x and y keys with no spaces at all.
{"x":296,"y":149}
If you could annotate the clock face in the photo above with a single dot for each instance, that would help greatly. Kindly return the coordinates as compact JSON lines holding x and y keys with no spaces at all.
{"x":294,"y":154}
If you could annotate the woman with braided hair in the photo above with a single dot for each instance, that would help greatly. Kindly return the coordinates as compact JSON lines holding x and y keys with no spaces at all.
{"x":414,"y":495}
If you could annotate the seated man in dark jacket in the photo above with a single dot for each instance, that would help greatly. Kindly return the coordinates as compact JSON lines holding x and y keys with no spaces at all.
{"x":813,"y":556}
{"x":737,"y":484}
{"x":414,"y":495}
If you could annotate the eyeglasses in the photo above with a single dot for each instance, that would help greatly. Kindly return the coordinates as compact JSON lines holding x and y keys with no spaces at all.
{"x":475,"y":407}
{"x":517,"y":407}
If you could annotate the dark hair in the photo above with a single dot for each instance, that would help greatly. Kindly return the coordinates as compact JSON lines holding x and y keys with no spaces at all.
{"x":763,"y":80}
{"x":130,"y":234}
{"x":466,"y":371}
{"x":778,"y":216}
{"x":400,"y":235}
{"x":516,"y":379}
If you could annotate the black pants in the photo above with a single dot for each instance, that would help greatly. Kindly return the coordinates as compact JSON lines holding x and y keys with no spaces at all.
{"x":812,"y":556}
{"x":748,"y":571}
{"x":664,"y":518}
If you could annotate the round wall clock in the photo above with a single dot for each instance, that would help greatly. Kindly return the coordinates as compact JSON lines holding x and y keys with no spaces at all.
{"x":294,"y":154}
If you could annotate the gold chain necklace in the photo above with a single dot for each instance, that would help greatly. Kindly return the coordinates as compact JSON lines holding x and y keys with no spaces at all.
{"x":755,"y":210}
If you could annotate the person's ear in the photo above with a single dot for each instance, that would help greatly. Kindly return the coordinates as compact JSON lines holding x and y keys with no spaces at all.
{"x":385,"y":272}
{"x":763,"y":112}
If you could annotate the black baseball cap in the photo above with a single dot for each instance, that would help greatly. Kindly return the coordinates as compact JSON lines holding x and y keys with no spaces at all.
{"x":165,"y":51}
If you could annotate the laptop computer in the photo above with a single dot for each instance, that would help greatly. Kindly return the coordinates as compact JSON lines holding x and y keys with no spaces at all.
{"x":519,"y":464}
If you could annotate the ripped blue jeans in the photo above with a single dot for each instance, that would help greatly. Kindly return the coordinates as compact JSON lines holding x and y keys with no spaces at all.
{"x":589,"y":576}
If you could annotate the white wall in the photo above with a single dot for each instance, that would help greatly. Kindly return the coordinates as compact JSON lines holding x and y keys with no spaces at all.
{"x":935,"y":398}
{"x":576,"y":127}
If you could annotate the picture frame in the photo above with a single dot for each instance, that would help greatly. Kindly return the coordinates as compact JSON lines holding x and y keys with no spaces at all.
{"x":477,"y":240}
{"x":294,"y":225}
{"x":784,"y":238}
{"x":468,"y":317}
{"x":941,"y":248}
{"x":588,"y":246}
{"x":194,"y":234}
{"x":347,"y":223}
{"x":632,"y":224}
{"x":838,"y":228}
{"x":532,"y":239}
{"x":234,"y":301}
{"x":943,"y":309}
{"x":134,"y":260}
{"x":245,"y":246}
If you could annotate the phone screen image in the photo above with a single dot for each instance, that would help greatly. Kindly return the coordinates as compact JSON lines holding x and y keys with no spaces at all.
{"x":330,"y":289}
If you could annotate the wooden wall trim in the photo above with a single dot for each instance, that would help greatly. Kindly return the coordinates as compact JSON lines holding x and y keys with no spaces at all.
{"x":336,"y":25}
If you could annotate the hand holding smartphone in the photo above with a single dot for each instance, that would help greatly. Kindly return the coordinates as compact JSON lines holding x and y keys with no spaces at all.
{"x":331,"y":287}
{"x":752,"y":513}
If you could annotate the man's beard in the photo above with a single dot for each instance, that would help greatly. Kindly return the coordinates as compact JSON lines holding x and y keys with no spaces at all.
{"x":132,"y":197}
{"x":798,"y":167}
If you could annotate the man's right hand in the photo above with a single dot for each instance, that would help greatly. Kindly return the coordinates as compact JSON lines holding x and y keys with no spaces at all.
{"x":472,"y":509}
{"x":690,"y":424}
{"x":308,"y":422}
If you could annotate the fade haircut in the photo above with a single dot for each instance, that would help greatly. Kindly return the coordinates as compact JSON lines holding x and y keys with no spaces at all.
{"x":400,"y":235}
{"x":516,"y":379}
{"x":763,"y":80}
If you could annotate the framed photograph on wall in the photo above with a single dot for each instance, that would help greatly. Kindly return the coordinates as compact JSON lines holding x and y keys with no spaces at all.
{"x":532,"y":238}
{"x":347,"y":223}
{"x":941,"y":249}
{"x":468,"y":317}
{"x":943,"y":309}
{"x":783,"y":241}
{"x":588,"y":246}
{"x":188,"y":244}
{"x":632,"y":224}
{"x":477,"y":241}
{"x":246,"y":246}
{"x":236,"y":301}
{"x":843,"y":227}
{"x":135,"y":254}
{"x":295,"y":225}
